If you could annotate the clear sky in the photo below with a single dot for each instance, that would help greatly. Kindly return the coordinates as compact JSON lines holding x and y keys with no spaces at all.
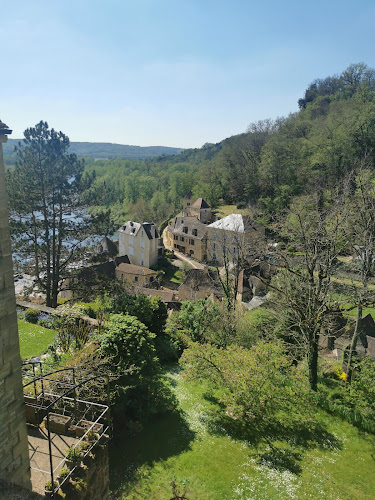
{"x":170,"y":72}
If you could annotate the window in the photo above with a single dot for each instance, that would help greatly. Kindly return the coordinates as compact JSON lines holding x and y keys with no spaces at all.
{"x":142,"y":263}
{"x":182,"y":238}
{"x":131,"y":251}
{"x":195,"y":232}
{"x":214,"y":235}
{"x":214,"y":246}
{"x":131,"y":240}
{"x":185,"y":229}
{"x":175,"y":237}
{"x":191,"y":242}
{"x":142,"y":243}
{"x":135,"y":278}
{"x":175,"y":245}
{"x":142,"y":256}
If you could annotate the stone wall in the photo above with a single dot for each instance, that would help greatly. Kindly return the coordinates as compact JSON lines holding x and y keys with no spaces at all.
{"x":90,"y":481}
{"x":14,"y":455}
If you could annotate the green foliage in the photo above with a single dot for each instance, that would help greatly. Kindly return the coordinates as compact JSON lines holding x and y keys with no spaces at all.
{"x":194,"y":322}
{"x":32,"y":315}
{"x":151,"y":311}
{"x":130,"y":345}
{"x":255,"y":385}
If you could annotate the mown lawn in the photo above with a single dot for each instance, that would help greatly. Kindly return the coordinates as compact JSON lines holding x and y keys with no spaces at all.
{"x":34,"y":339}
{"x":186,"y":447}
{"x":224,"y":210}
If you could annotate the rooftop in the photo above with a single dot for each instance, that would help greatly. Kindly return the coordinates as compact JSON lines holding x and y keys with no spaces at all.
{"x":237,"y":223}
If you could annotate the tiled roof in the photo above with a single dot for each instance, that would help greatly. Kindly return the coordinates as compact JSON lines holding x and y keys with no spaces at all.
{"x":164,"y":294}
{"x":178,"y":223}
{"x":133,"y":269}
{"x":200,"y":203}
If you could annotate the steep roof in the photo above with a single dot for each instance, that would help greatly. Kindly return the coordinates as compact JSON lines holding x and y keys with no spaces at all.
{"x":200,"y":203}
{"x":132,"y":228}
{"x":136,"y":270}
{"x":237,"y":223}
{"x":108,"y":245}
{"x":188,"y":196}
{"x":178,"y":224}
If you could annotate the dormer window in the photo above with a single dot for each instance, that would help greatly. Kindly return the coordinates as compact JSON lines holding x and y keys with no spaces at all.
{"x":195,"y":232}
{"x":185,"y":229}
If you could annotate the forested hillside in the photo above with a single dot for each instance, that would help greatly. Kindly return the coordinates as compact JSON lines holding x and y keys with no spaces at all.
{"x":102,"y":150}
{"x":266,"y":166}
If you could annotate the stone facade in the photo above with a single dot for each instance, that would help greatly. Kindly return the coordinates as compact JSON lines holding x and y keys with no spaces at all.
{"x":141,"y":243}
{"x":188,"y":235}
{"x":14,"y":454}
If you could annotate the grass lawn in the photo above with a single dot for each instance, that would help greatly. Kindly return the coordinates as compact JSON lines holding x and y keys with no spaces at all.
{"x":224,"y":210}
{"x":34,"y":339}
{"x":173,"y":273}
{"x":185,"y":447}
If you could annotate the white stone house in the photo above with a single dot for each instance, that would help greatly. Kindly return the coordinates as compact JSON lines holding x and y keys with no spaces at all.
{"x":141,"y":243}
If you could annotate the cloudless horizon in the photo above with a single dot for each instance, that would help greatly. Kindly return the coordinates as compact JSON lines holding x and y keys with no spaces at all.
{"x":170,"y":73}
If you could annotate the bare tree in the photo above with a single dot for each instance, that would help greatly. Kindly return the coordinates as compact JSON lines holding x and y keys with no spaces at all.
{"x":303,"y":284}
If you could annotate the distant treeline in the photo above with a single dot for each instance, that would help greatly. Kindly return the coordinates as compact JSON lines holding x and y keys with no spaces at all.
{"x":102,"y":150}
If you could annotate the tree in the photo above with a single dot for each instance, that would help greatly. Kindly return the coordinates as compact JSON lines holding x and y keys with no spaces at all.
{"x":256,"y":386}
{"x":303,"y":288}
{"x":361,"y":210}
{"x":151,"y":311}
{"x":48,"y":218}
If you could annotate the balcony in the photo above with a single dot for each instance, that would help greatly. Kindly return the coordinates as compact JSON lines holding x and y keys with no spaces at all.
{"x":63,"y":427}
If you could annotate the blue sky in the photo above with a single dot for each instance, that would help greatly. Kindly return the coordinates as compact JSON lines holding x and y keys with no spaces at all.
{"x":170,"y":72}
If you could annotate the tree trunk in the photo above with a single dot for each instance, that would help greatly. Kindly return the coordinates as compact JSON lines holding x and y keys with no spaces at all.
{"x":353,"y":344}
{"x":313,"y":363}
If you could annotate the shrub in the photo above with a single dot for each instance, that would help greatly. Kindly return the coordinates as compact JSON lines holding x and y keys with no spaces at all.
{"x":255,"y":385}
{"x":32,"y":315}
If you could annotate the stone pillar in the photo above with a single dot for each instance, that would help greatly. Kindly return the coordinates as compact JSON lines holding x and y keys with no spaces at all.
{"x":14,"y":454}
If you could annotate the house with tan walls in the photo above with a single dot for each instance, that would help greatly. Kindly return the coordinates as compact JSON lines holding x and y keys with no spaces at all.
{"x":141,"y":243}
{"x":232,"y":237}
{"x":133,"y":274}
{"x":188,"y":235}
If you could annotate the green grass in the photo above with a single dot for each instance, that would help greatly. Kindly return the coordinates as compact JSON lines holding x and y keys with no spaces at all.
{"x":337,"y":462}
{"x":34,"y":339}
{"x":224,"y":210}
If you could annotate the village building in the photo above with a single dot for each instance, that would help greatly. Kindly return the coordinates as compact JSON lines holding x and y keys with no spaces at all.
{"x":135,"y":274}
{"x":107,"y":247}
{"x":141,"y":242}
{"x":201,"y":210}
{"x":232,"y":236}
{"x":187,"y":202}
{"x":188,"y":235}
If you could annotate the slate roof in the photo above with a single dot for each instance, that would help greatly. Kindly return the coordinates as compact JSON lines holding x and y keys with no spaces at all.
{"x":237,"y":223}
{"x":200,"y":203}
{"x":178,"y":223}
{"x":188,"y":196}
{"x":108,"y":245}
{"x":136,"y":270}
{"x":133,"y":228}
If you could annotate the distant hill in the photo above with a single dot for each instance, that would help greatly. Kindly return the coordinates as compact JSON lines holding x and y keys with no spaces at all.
{"x":103,"y":150}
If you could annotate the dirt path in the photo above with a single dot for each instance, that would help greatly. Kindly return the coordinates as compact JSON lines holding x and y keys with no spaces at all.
{"x":193,"y":263}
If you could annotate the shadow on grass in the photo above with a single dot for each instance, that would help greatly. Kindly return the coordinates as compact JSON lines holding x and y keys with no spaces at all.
{"x":162,"y":436}
{"x":277,"y":443}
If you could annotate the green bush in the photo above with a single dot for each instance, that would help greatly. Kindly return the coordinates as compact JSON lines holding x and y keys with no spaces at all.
{"x":32,"y":315}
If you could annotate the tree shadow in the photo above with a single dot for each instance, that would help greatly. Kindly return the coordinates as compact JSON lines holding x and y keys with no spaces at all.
{"x":162,"y":436}
{"x":280,"y":446}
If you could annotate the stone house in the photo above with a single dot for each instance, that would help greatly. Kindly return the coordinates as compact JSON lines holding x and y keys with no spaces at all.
{"x":201,"y":210}
{"x":107,"y":246}
{"x":232,"y":236}
{"x":188,"y":235}
{"x":187,"y":202}
{"x":141,"y":242}
{"x":200,"y":284}
{"x":138,"y":275}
